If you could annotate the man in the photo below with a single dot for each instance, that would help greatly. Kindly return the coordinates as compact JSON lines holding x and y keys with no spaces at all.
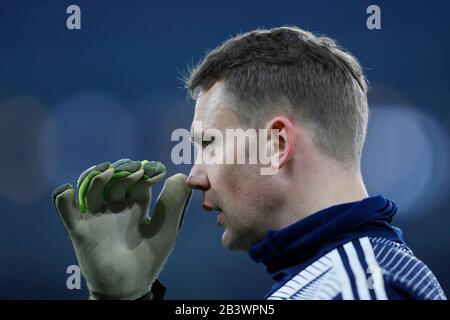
{"x":311,"y":223}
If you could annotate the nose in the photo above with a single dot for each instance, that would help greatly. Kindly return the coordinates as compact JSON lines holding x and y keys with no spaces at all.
{"x":198,"y":179}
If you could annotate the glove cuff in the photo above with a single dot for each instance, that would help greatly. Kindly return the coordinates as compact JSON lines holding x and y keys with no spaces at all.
{"x":157,"y":292}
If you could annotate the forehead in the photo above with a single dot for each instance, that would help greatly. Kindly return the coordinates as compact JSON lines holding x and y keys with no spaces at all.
{"x":213,"y":108}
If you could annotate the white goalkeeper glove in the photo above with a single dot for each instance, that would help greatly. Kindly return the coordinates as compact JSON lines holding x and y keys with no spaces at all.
{"x":120,"y":249}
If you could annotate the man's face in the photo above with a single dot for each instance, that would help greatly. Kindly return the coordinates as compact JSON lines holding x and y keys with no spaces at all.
{"x":239,"y":193}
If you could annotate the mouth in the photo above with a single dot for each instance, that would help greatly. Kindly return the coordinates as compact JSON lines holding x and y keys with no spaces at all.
{"x":210,"y":208}
{"x":220,"y":219}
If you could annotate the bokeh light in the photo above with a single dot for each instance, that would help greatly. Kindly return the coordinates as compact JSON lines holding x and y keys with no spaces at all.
{"x":406,"y":158}
{"x":92,"y":128}
{"x":23,"y":175}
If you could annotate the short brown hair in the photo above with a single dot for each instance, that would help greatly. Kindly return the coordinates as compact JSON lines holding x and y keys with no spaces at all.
{"x":293,"y":70}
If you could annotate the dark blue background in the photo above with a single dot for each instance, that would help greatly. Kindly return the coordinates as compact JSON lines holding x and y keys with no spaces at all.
{"x":70,"y":99}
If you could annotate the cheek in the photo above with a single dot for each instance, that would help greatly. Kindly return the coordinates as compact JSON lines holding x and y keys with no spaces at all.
{"x":241,"y":186}
{"x":229,"y":179}
{"x":256,"y":200}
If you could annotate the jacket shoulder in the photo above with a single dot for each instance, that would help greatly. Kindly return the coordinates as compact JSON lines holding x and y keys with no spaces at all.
{"x":405,"y":275}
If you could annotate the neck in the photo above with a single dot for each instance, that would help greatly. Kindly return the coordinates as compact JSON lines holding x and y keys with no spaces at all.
{"x":326,"y":187}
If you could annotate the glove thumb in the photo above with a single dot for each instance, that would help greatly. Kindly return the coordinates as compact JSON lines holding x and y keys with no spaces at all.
{"x":169,"y":212}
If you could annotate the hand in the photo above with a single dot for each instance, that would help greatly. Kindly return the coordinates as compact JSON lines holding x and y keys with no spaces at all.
{"x":120,"y":249}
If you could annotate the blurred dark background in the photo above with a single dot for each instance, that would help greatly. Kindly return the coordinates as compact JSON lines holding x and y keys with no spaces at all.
{"x":71,"y":99}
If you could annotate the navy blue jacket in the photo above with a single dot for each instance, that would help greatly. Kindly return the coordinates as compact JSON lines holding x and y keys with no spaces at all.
{"x":348,"y":251}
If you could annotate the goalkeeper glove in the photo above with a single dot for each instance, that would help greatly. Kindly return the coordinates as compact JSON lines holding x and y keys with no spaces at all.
{"x":120,"y":249}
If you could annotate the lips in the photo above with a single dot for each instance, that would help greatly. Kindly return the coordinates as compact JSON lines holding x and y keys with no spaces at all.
{"x":209,"y":207}
{"x":220,"y":220}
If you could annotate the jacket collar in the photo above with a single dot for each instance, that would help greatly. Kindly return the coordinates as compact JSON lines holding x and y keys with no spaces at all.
{"x":306,"y":240}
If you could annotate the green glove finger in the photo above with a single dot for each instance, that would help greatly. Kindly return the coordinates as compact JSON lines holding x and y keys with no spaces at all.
{"x":120,"y":162}
{"x":154,"y":172}
{"x":116,"y":176}
{"x":60,"y":190}
{"x":122,"y":168}
{"x":84,"y":182}
{"x":152,"y":169}
{"x":94,"y":194}
{"x":63,"y":199}
{"x":118,"y":190}
{"x":129,"y":166}
{"x":101,"y":167}
{"x":125,"y":167}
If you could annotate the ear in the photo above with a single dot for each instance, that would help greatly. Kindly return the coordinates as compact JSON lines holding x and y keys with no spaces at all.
{"x":282,"y":139}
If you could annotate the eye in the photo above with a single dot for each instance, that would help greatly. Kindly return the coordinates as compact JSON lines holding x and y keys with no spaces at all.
{"x":206,"y":143}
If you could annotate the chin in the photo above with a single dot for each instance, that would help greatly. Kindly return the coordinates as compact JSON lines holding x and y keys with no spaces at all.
{"x":231,"y":242}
